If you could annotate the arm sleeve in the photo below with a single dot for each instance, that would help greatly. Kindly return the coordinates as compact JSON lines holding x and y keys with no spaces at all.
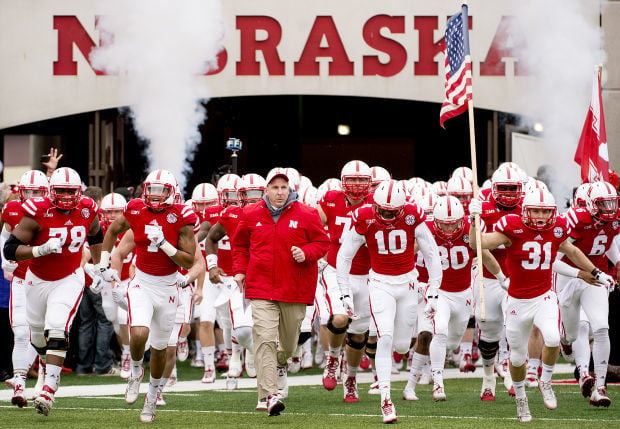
{"x":318,"y":241}
{"x":351,"y":242}
{"x":564,"y":269}
{"x":241,"y":247}
{"x":428,"y":247}
{"x":614,"y":251}
{"x":4,"y":236}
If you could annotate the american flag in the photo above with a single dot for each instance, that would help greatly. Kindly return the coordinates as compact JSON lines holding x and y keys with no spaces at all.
{"x":458,"y":67}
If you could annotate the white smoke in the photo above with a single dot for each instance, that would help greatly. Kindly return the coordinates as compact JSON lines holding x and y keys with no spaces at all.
{"x":564,"y":43}
{"x":160,"y":48}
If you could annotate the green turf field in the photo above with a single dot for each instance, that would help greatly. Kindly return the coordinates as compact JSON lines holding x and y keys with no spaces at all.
{"x":312,"y":406}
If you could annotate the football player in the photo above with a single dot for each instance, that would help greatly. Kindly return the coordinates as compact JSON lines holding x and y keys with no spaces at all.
{"x":532,"y":241}
{"x":52,"y":233}
{"x":390,"y":227}
{"x":164,"y":236}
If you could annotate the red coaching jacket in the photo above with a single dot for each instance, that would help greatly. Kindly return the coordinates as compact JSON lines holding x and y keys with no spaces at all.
{"x":262,"y":251}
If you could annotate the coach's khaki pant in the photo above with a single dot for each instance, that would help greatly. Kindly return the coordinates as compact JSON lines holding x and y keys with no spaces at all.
{"x":271,"y":319}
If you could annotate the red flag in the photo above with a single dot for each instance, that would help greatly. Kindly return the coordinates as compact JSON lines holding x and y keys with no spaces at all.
{"x":592,"y":152}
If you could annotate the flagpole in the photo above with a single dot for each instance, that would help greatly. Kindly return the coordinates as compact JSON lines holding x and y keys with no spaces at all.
{"x":474,"y":169}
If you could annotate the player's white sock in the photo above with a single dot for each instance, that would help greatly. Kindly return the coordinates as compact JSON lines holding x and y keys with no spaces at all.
{"x":417,"y":366}
{"x":600,"y":355}
{"x":532,"y":366}
{"x":488,"y":365}
{"x":466,"y":348}
{"x":352,"y":370}
{"x":547,"y":372}
{"x":198,"y":348}
{"x":519,"y":389}
{"x":153,"y":387}
{"x":208,"y":354}
{"x":438,"y":353}
{"x":136,"y":368}
{"x":383,"y":361}
{"x":334,"y":351}
{"x":581,"y":348}
{"x":52,"y":375}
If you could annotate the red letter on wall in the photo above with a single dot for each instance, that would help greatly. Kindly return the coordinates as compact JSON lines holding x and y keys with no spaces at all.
{"x":309,"y":66}
{"x":248,"y":25}
{"x":373,"y":38}
{"x":71,"y":31}
{"x":493,"y":65}
{"x":428,"y":48}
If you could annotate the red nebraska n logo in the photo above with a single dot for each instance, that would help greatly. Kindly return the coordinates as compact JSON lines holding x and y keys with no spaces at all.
{"x":171,"y":299}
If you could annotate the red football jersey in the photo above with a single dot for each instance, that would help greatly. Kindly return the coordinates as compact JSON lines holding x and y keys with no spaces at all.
{"x":531,"y":254}
{"x":456,"y":257}
{"x":211,"y":214}
{"x":229,"y":219}
{"x":149,"y":258}
{"x":12,"y":213}
{"x":70,"y":227}
{"x":593,"y":238}
{"x":338,"y":212}
{"x":491,"y":213}
{"x":390,"y":245}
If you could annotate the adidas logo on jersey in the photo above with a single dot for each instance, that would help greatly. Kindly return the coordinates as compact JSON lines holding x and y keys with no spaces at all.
{"x":538,"y":237}
{"x":68,"y":222}
{"x":259,"y":224}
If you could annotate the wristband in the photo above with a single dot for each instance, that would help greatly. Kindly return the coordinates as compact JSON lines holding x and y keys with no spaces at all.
{"x":35,"y":251}
{"x":211,"y":261}
{"x":168,"y":249}
{"x":500,"y":276}
{"x":595,"y":272}
{"x":104,"y":260}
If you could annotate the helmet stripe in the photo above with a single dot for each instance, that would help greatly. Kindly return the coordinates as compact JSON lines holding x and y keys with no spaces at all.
{"x":203,"y":191}
{"x":32,"y":177}
{"x":449,"y":207}
{"x":542,"y":198}
{"x":112,"y":199}
{"x":67,"y":174}
{"x":389,"y":195}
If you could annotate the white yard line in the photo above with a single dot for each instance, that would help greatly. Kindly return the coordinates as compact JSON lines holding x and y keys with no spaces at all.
{"x":244,"y":383}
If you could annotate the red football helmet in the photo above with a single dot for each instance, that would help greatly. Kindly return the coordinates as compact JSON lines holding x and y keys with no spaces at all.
{"x":538,"y":210}
{"x":159,"y":189}
{"x":602,"y":201}
{"x":65,"y":188}
{"x":389,"y":201}
{"x":507,"y":187}
{"x":228,"y":190}
{"x":355,"y":178}
{"x":252,"y":188}
{"x":449,"y":217}
{"x":32,"y":184}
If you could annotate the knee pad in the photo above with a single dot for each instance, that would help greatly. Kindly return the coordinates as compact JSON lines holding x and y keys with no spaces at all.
{"x":357,"y":345}
{"x":333,"y":329}
{"x":371,"y":350}
{"x":517,"y":358}
{"x":303,"y":337}
{"x":243,"y":336}
{"x":21,"y":331}
{"x":488,"y":350}
{"x":401,"y":347}
{"x":57,"y":340}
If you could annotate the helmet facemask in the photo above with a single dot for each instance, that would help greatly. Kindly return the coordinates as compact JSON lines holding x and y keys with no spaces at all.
{"x":449,"y":229}
{"x":507,"y":194}
{"x":539,"y":217}
{"x":158,"y":196}
{"x":356,"y":187}
{"x":65,"y":197}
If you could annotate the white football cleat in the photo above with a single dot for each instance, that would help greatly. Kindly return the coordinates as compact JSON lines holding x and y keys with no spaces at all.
{"x":261,"y":405}
{"x":197,"y":363}
{"x":294,"y":365}
{"x":38,"y":388}
{"x":409,"y":393}
{"x":209,"y":375}
{"x":586,"y":383}
{"x":19,"y":397}
{"x":487,"y":393}
{"x":350,"y":390}
{"x":182,"y":350}
{"x":599,"y":397}
{"x":306,"y":360}
{"x":44,"y":402}
{"x":374,"y":389}
{"x":388,"y":411}
{"x":133,"y":388}
{"x":523,"y":410}
{"x":125,"y":366}
{"x":439,"y":395}
{"x":160,"y":401}
{"x":547,"y":393}
{"x":274,"y":404}
{"x":147,"y":414}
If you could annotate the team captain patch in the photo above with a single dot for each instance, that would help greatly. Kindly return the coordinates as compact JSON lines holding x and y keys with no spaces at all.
{"x":172,"y":218}
{"x":410,"y":219}
{"x":557,"y":232}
